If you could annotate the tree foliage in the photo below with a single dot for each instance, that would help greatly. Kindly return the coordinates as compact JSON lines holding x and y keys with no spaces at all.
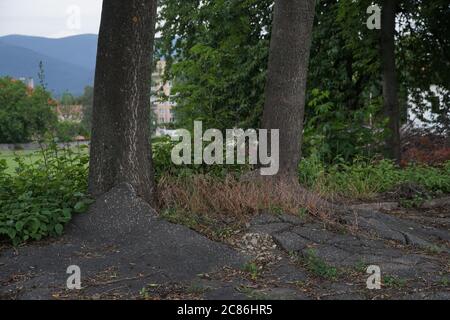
{"x":87,"y":100}
{"x":25,"y":114}
{"x":217,"y":52}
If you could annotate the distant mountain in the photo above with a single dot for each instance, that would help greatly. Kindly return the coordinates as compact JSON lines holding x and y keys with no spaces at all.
{"x":79,"y":50}
{"x":69,"y":63}
{"x":60,"y":76}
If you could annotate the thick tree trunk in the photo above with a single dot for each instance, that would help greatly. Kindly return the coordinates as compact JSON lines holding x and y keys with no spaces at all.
{"x":390,"y":85}
{"x":284,"y":107}
{"x":120,"y":146}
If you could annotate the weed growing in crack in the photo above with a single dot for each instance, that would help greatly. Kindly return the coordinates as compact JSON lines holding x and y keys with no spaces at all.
{"x":434,"y":249}
{"x":196,"y":289}
{"x":253,"y":270}
{"x":144,"y":293}
{"x":302,"y":213}
{"x":393,"y":282}
{"x":318,"y":266}
{"x":445,"y":281}
{"x":361,"y":266}
{"x":252,"y":293}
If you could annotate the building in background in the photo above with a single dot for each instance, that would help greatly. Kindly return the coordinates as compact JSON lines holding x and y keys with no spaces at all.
{"x":29,"y":82}
{"x":161,"y":102}
{"x":72,"y":113}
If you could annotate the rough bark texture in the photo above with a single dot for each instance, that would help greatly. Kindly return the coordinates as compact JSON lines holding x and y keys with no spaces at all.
{"x":120,"y":148}
{"x":286,"y":80}
{"x":390,"y":85}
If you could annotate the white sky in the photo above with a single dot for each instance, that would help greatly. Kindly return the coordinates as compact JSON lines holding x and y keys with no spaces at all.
{"x":49,"y":18}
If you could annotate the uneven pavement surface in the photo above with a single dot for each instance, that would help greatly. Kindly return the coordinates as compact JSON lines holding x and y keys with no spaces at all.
{"x":413,"y":259}
{"x":115,"y":254}
{"x":126,"y":252}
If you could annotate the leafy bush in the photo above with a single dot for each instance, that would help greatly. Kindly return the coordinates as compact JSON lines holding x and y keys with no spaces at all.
{"x":24,"y":114}
{"x":66,"y":131}
{"x":331,"y":130}
{"x":163,"y":165}
{"x":435,"y":179}
{"x":41,"y":197}
{"x":312,"y":170}
{"x":364,"y":178}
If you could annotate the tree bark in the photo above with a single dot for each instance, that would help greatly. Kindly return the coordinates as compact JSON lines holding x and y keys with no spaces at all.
{"x":120,"y":145}
{"x":284,"y":107}
{"x":390,"y":84}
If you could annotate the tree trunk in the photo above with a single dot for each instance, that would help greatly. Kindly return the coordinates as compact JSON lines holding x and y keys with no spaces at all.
{"x":120,"y":146}
{"x":390,"y":85}
{"x":284,"y":107}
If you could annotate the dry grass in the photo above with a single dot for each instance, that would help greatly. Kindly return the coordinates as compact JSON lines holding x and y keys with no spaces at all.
{"x":209,"y":196}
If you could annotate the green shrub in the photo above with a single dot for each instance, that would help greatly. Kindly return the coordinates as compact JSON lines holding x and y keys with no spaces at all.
{"x":66,"y":131}
{"x":331,"y":130}
{"x":365,"y":178}
{"x":435,"y":179}
{"x":24,"y":114}
{"x":41,"y":196}
{"x":163,"y":165}
{"x":312,"y":170}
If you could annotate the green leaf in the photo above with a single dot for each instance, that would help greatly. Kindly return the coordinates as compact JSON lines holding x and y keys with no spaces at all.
{"x":67,"y":213}
{"x":12,"y":233}
{"x":80,"y":206}
{"x":19,"y":225}
{"x":59,"y":229}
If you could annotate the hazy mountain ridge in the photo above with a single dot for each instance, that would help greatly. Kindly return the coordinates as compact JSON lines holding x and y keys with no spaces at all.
{"x":69,"y":63}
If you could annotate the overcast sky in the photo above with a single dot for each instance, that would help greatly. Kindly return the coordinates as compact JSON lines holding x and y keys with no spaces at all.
{"x":49,"y":18}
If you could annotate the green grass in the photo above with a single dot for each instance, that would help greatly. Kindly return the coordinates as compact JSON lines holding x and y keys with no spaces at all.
{"x":29,"y":156}
{"x":9,"y":156}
